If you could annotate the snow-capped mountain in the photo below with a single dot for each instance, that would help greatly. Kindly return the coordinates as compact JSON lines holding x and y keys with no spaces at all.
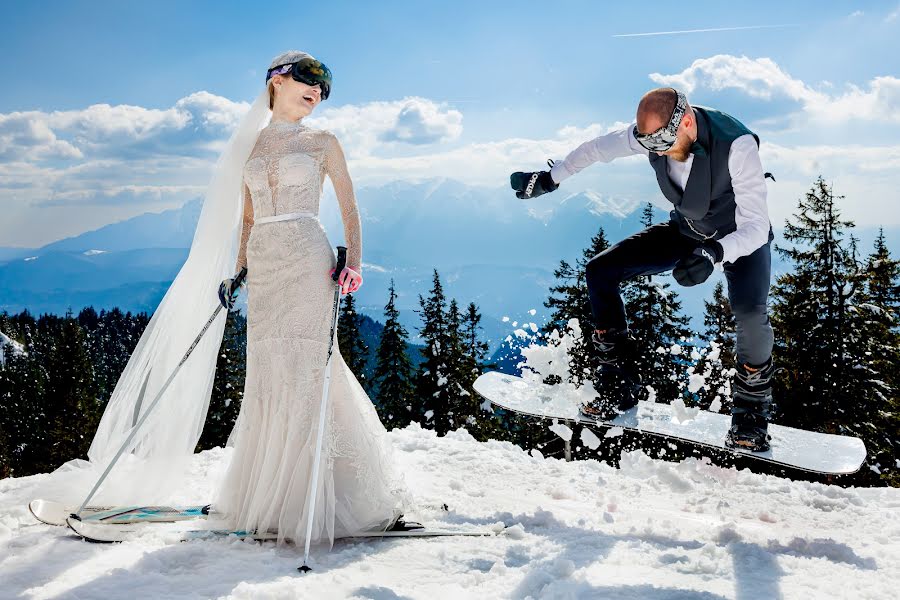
{"x":488,"y":246}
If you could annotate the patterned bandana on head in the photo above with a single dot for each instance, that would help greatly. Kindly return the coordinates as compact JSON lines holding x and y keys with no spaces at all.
{"x":665,"y":137}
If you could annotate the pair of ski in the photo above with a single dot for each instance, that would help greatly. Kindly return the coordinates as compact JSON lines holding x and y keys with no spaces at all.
{"x":119,"y":523}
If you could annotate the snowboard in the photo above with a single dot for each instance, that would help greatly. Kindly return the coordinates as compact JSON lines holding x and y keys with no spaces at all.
{"x":56,"y":513}
{"x":93,"y":531}
{"x":795,"y":448}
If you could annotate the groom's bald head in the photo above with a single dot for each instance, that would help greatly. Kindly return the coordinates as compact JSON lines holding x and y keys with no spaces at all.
{"x":655,"y":109}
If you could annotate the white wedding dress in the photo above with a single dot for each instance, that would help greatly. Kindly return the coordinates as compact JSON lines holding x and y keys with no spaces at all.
{"x":290,"y":296}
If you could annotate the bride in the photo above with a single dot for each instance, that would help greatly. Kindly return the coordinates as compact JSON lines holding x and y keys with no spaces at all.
{"x":260,"y":211}
{"x":289,"y":315}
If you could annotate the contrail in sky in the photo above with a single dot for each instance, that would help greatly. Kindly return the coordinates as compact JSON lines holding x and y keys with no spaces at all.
{"x":702,"y":30}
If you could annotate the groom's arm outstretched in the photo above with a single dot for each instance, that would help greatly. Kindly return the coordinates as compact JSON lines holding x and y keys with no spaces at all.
{"x":605,"y":148}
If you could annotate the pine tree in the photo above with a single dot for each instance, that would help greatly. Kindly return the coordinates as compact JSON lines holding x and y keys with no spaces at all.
{"x":880,"y":307}
{"x":455,"y":366}
{"x":659,"y":328}
{"x":480,"y":418}
{"x":111,"y":337}
{"x":393,"y":370}
{"x":24,"y":440}
{"x":806,"y":307}
{"x":228,"y":384}
{"x":568,"y":300}
{"x":825,"y":337}
{"x":860,"y":346}
{"x":353,"y":347}
{"x":716,"y":364}
{"x":432,"y":375}
{"x":70,"y":397}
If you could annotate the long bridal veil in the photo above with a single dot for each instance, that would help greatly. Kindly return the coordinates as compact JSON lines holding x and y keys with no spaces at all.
{"x":152,"y":462}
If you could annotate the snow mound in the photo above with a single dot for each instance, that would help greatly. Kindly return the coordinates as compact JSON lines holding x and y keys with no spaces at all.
{"x":650,"y":529}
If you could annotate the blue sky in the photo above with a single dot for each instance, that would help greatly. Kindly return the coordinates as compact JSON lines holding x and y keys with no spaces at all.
{"x":112,"y":109}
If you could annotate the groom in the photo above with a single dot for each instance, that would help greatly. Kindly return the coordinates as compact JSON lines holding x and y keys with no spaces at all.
{"x":707,"y":165}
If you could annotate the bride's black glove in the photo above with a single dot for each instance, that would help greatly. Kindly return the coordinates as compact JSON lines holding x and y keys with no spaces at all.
{"x":532,"y":185}
{"x":228,"y":292}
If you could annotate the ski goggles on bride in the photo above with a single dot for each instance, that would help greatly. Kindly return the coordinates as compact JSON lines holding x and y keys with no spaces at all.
{"x":664,"y":138}
{"x":306,"y":70}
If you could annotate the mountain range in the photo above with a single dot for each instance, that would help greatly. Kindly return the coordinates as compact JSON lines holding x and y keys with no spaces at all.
{"x":488,"y":247}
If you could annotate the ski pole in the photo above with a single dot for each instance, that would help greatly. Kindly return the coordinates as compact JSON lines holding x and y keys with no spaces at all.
{"x":77,"y":515}
{"x":341,"y":263}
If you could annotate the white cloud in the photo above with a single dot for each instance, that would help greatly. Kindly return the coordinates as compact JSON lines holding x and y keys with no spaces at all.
{"x":422,"y":122}
{"x":764,"y":79}
{"x":126,"y":159}
{"x":25,"y":138}
{"x":102,"y":121}
{"x":411,"y":121}
{"x":212,"y":110}
{"x":123,"y":160}
{"x":104,"y":129}
{"x":121,"y":194}
{"x":484,"y":163}
{"x":865,"y":175}
{"x":810,"y":161}
{"x":892,"y":16}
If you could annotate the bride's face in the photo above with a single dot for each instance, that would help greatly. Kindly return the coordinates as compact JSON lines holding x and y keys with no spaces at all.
{"x":295,"y":97}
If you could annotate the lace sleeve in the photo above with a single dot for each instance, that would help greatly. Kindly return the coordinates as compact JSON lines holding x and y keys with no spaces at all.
{"x":245,"y":229}
{"x":336,"y":169}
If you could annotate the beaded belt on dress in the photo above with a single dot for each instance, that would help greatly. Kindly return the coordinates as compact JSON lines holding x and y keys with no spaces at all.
{"x":287,"y":217}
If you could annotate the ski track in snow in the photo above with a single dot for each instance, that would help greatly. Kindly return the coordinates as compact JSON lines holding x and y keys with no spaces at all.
{"x":650,"y":529}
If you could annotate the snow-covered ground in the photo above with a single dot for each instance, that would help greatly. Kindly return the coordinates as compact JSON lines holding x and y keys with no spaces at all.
{"x":651,"y":529}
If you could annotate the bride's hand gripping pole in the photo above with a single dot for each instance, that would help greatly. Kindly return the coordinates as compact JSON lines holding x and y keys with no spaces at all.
{"x":335,"y":311}
{"x":134,"y":430}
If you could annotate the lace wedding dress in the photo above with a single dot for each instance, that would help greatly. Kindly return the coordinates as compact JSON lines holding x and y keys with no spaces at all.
{"x":290,"y":295}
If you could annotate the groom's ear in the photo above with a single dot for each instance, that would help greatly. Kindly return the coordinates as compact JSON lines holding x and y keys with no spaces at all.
{"x":687,"y":121}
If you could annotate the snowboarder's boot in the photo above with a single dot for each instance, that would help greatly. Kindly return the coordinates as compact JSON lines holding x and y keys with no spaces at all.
{"x":752,"y":391}
{"x":616,"y":380}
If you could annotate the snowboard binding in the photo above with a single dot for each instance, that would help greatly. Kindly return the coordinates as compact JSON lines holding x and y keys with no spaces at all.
{"x":616,"y":381}
{"x":752,"y":407}
{"x":753,"y":438}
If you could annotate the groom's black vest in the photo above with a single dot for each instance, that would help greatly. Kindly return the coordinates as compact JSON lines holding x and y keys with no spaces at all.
{"x":705,"y":210}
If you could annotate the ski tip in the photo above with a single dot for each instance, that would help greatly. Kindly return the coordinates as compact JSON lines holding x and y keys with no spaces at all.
{"x":48,"y":512}
{"x":34,"y":509}
{"x":72,"y":523}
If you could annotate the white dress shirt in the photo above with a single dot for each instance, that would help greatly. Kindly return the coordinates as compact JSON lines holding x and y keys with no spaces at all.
{"x":747,"y":178}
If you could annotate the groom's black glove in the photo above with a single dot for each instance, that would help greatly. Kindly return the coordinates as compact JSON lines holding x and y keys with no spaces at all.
{"x":532,"y":185}
{"x":697,"y":267}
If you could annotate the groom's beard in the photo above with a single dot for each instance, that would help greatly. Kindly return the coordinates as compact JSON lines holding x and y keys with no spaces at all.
{"x":680,"y":151}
